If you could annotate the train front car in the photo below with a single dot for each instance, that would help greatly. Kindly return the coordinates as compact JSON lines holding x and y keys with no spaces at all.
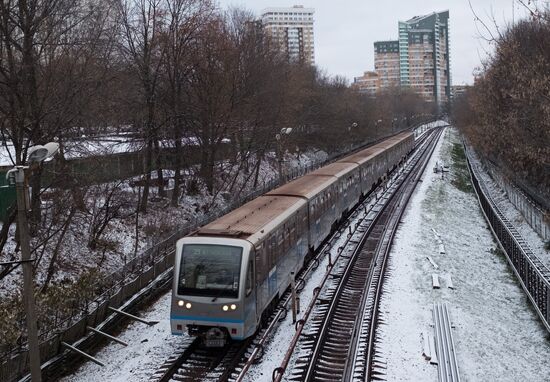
{"x":212,"y":288}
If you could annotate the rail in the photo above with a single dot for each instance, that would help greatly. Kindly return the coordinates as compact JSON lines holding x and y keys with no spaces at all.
{"x":532,"y":274}
{"x":447,"y":367}
{"x":336,"y":363}
{"x":125,"y":287}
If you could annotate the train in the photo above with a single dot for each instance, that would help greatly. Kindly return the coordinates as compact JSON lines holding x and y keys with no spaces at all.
{"x":230,"y":273}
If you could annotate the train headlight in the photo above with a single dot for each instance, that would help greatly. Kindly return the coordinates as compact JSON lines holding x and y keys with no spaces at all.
{"x":225,"y":308}
{"x":233,"y":306}
{"x":188,"y":305}
{"x":181,"y":303}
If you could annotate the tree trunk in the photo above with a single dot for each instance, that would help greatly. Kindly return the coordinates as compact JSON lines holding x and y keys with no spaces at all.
{"x":51,"y":266}
{"x":177,"y":174}
{"x":147,"y":169}
{"x":259,"y":158}
{"x":35,"y":182}
{"x":6,"y":226}
{"x":210,"y":168}
{"x":160,"y":176}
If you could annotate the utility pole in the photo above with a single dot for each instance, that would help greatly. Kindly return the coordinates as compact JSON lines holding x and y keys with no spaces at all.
{"x":35,"y":155}
{"x":28,"y":285}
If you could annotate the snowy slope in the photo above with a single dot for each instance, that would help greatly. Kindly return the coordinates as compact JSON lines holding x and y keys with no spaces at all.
{"x":497,"y":335}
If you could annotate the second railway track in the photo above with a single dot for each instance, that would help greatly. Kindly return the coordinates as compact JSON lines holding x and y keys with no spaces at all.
{"x":339,"y":340}
{"x":192,"y":362}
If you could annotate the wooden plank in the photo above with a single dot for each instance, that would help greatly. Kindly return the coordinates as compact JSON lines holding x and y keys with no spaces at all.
{"x":426,"y":346}
{"x":432,"y":262}
{"x":435,"y":281}
{"x":450,"y":282}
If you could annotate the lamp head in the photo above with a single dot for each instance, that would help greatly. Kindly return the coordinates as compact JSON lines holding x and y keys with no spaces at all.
{"x":53,"y":148}
{"x":10,"y":176}
{"x":39,"y":153}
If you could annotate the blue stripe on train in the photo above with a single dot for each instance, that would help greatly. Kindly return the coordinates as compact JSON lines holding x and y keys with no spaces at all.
{"x":191,"y":318}
{"x":232,"y":337}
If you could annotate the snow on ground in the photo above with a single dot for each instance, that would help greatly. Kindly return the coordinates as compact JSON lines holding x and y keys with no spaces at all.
{"x":277,"y":346}
{"x":498,"y":336}
{"x":81,"y":148}
{"x":148,"y":348}
{"x":534,"y":240}
{"x":159,"y":223}
{"x":96,"y":146}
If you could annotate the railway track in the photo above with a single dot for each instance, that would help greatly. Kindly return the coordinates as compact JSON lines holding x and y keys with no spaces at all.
{"x":192,"y":362}
{"x":338,"y":341}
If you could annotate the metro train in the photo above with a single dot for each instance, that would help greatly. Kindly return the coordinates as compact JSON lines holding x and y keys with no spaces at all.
{"x":230,"y":273}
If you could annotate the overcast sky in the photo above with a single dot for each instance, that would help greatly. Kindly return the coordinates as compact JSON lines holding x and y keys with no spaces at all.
{"x":345,"y":30}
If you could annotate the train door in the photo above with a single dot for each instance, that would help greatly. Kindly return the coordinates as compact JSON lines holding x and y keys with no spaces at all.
{"x":262,"y":267}
{"x":250,"y":317}
{"x":272,"y":275}
{"x":303,"y":231}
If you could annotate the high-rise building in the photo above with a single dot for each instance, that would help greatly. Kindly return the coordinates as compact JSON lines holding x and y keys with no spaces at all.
{"x":419,"y":59}
{"x":386,"y":63}
{"x":368,"y":83}
{"x":293,"y":28}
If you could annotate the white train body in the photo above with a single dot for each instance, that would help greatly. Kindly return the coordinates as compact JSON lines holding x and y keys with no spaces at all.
{"x":230,"y":273}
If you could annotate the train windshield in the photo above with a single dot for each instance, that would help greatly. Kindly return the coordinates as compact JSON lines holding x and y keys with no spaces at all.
{"x":210,"y":270}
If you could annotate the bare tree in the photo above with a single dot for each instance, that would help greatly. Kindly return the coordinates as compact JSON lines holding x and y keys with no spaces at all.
{"x":184,"y":20}
{"x":505,"y":115}
{"x":142,"y":22}
{"x":46,"y":70}
{"x":106,"y":206}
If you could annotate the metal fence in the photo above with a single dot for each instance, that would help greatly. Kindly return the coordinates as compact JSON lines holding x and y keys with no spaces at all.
{"x":533,"y":275}
{"x":532,"y":212}
{"x":135,"y":275}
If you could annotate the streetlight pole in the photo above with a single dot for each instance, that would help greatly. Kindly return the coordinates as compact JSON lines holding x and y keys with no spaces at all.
{"x":36,"y":155}
{"x":28,"y":284}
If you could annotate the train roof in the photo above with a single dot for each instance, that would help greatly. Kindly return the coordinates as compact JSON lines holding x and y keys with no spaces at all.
{"x":363,"y":155}
{"x":254,"y":218}
{"x":366,"y":154}
{"x":396,"y":139}
{"x":335,"y":169}
{"x":306,"y":186}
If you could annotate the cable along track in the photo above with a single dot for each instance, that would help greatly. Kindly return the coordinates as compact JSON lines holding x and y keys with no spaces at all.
{"x":339,"y":341}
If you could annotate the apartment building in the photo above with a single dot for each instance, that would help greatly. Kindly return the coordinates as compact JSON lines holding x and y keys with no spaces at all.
{"x":419,"y":59}
{"x":368,"y":83}
{"x":292,"y":27}
{"x":386,"y":63}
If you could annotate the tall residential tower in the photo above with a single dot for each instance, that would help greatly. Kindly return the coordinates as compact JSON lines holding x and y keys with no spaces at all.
{"x":419,"y":59}
{"x":293,"y":28}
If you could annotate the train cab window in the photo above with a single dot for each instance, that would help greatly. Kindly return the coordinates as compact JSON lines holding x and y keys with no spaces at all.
{"x":210,"y":270}
{"x":249,"y":278}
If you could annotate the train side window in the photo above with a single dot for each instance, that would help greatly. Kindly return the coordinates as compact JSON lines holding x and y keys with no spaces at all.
{"x":272,"y":250}
{"x":260,"y":263}
{"x":249,"y":278}
{"x":288,"y":242}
